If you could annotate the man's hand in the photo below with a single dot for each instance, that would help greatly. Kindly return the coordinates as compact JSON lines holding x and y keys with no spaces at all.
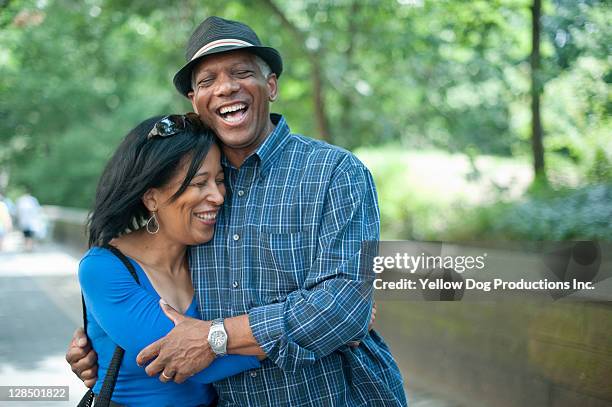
{"x":180,"y":354}
{"x":82,"y":358}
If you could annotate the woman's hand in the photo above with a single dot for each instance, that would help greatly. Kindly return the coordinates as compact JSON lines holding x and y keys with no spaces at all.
{"x":373,"y":316}
{"x":355,"y":344}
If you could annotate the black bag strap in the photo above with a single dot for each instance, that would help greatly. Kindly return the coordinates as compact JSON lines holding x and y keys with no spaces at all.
{"x":103,"y":399}
{"x":87,"y":399}
{"x":128,"y":264}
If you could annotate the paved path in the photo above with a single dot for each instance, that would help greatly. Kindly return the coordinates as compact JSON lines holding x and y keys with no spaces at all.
{"x":40,"y":308}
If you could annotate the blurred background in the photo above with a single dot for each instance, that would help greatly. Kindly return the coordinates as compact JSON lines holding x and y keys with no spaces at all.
{"x":480,"y":120}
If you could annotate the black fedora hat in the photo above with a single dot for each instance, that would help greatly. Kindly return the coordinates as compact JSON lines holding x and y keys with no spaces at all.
{"x":215,"y":35}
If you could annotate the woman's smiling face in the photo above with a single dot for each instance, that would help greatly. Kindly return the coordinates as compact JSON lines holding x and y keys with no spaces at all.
{"x":190,"y":219}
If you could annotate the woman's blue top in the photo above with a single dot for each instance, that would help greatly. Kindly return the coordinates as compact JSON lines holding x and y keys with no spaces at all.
{"x":121,"y":312}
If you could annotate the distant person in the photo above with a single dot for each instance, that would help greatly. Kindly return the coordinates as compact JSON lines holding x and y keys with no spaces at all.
{"x":29,"y":218}
{"x":11,"y":207}
{"x":6,"y":223}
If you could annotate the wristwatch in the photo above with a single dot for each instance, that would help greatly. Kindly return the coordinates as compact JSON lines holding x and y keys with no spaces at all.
{"x":217,"y":337}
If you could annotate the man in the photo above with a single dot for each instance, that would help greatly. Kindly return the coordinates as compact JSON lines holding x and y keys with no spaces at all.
{"x":282,"y":276}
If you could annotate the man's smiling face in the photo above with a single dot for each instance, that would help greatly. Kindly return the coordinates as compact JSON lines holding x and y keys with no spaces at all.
{"x":232,"y":96}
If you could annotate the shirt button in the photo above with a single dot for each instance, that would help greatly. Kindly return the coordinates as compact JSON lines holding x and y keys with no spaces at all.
{"x":240,"y":193}
{"x":236,"y":237}
{"x":235,"y":284}
{"x":253,"y":374}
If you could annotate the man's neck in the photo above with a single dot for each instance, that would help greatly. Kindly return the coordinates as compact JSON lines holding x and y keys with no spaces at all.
{"x":237,"y":156}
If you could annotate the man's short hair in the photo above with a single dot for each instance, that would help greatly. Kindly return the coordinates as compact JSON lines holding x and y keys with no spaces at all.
{"x":264,"y":68}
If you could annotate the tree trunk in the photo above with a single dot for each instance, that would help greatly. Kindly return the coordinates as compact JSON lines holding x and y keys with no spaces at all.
{"x":536,"y":91}
{"x":319,"y":99}
{"x":346,"y":101}
{"x":318,"y":86}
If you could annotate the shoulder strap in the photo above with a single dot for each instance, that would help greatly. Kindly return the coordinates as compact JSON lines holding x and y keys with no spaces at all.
{"x":106,"y":392}
{"x":126,"y":262}
{"x":84,"y":313}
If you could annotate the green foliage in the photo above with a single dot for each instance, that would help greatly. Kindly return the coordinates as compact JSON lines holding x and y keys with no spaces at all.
{"x":426,"y":77}
{"x":572,"y":214}
{"x":434,"y":195}
{"x":421,"y":193}
{"x":601,"y":169}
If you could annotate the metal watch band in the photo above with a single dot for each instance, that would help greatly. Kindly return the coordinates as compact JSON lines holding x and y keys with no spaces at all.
{"x":217,"y":328}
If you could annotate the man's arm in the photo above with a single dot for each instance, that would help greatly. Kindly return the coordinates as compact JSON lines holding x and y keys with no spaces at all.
{"x":185,"y":351}
{"x":82,"y":358}
{"x":241,"y":340}
{"x":334,"y":306}
{"x":110,"y":291}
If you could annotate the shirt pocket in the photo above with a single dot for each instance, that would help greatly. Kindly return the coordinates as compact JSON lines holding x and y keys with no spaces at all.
{"x":283,"y":261}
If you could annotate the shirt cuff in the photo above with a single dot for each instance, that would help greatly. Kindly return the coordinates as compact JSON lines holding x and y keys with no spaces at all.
{"x":267,"y":325}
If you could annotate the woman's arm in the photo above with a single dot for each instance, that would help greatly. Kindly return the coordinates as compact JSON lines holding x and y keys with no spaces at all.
{"x":131,"y":315}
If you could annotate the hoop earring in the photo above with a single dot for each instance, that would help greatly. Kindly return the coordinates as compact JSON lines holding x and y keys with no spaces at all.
{"x":153,"y":218}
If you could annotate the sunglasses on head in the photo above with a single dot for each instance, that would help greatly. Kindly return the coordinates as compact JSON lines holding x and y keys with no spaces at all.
{"x":173,"y":124}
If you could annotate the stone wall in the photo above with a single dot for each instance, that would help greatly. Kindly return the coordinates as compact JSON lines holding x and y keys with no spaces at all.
{"x":67,"y":227}
{"x":509,"y":354}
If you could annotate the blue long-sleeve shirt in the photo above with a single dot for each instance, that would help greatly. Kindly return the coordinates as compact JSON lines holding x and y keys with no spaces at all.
{"x":121,"y":312}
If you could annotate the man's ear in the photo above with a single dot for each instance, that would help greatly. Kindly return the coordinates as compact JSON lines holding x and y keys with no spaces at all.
{"x":191,"y":96}
{"x":272,"y":82}
{"x":149,"y":199}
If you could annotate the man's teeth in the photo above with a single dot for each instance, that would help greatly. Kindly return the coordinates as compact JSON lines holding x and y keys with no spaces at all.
{"x":206,"y":216}
{"x":232,"y":108}
{"x":233,"y":118}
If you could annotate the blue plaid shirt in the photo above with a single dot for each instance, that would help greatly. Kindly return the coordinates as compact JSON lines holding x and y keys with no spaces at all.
{"x":286,"y":252}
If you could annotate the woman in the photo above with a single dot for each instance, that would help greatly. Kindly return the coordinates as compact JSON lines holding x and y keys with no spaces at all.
{"x":159,"y":194}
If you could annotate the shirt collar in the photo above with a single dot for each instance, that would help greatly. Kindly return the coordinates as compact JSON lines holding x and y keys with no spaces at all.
{"x":269,"y":151}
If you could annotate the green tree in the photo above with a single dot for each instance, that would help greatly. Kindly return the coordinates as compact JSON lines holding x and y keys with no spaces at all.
{"x":76,"y":76}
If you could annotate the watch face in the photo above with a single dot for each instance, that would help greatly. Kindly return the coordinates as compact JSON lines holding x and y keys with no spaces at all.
{"x":217,"y":339}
